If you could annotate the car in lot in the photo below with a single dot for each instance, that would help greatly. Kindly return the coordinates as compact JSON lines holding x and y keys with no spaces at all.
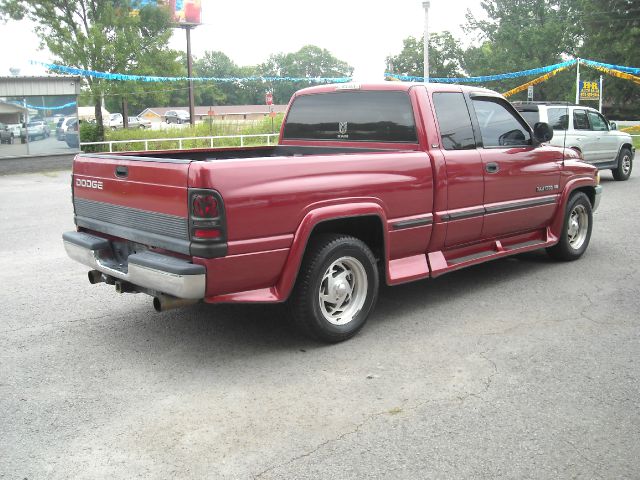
{"x":176,"y":116}
{"x":587,"y":131}
{"x":61,"y":127}
{"x":6,"y":134}
{"x":390,"y":182}
{"x":72,"y":135}
{"x":38,"y":129}
{"x":138,"y":122}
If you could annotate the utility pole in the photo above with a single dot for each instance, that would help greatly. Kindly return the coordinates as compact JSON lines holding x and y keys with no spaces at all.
{"x":192,"y":113}
{"x":601,"y":92}
{"x":426,"y":5}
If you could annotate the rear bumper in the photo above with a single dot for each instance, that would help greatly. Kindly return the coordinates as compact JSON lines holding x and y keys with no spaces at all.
{"x":149,"y":270}
{"x":596,"y":201}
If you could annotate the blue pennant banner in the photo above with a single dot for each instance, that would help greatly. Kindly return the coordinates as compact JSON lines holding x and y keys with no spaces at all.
{"x":59,"y":107}
{"x":486,"y":78}
{"x":145,"y":78}
{"x":620,"y":68}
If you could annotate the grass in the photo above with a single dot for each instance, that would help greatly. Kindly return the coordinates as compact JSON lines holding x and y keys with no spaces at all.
{"x":204,"y":129}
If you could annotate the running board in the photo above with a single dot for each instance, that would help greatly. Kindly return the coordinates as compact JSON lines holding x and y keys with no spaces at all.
{"x":440,"y":265}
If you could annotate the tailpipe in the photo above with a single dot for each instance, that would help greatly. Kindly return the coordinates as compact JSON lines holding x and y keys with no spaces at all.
{"x":95,"y":276}
{"x":163,"y":302}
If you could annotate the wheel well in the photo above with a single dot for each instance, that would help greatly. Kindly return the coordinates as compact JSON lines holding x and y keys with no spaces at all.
{"x":627,"y":145}
{"x":590,"y":192}
{"x":366,"y":228}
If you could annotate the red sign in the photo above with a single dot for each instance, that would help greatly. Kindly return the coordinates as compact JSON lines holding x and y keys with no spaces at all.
{"x":268,"y":98}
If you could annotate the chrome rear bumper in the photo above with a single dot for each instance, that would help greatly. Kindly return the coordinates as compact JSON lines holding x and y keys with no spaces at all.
{"x":150,"y":270}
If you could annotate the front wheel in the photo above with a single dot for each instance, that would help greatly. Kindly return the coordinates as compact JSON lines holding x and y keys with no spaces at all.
{"x":576,"y":231}
{"x":625,"y":165}
{"x":336,"y":289}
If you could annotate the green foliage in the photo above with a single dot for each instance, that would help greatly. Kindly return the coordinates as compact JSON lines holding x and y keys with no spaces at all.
{"x":445,"y":54}
{"x":89,"y":133}
{"x":309,"y":61}
{"x":204,"y":129}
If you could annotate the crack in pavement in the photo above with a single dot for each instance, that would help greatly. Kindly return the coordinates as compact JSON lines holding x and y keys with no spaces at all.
{"x":488,"y":381}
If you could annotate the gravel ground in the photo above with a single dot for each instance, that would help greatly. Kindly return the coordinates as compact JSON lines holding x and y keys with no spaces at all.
{"x":520,"y":368}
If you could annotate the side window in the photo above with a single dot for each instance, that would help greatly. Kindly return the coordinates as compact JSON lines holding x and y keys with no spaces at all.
{"x":598,"y":123}
{"x":558,"y":118}
{"x":498,"y":126}
{"x":454,"y":121}
{"x":580,"y":120}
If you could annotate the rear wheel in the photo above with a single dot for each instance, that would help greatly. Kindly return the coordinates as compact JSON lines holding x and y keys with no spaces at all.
{"x":576,"y":231}
{"x":336,"y":290}
{"x":625,"y":165}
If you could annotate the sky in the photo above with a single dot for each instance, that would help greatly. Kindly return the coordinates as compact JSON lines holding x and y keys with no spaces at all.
{"x":361,"y":32}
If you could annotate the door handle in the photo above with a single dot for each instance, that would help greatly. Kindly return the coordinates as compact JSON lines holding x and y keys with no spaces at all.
{"x":492,"y":167}
{"x":122,"y":171}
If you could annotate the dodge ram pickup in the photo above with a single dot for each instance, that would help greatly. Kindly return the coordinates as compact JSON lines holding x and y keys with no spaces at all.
{"x":371,"y":183}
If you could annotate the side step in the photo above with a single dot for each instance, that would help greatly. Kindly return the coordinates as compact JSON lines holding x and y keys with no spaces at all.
{"x":440,"y":264}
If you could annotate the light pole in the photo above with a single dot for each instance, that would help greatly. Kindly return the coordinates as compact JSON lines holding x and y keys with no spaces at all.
{"x":426,"y":5}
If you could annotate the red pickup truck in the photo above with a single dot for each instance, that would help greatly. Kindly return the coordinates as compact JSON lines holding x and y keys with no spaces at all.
{"x":386,"y":182}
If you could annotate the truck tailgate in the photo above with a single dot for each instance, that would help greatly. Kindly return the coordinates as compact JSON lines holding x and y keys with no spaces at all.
{"x":139,"y":199}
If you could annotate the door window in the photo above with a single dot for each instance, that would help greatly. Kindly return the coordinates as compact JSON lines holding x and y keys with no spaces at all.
{"x":455,"y":123}
{"x":597,"y":121}
{"x":580,"y":120}
{"x":498,"y":126}
{"x":558,"y":118}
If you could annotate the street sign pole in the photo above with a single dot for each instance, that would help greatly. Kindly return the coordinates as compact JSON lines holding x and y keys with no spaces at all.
{"x":426,"y":6}
{"x":192,"y":113}
{"x":600,"y":103}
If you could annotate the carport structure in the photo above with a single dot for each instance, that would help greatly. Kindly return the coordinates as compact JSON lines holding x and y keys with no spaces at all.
{"x":32,"y":107}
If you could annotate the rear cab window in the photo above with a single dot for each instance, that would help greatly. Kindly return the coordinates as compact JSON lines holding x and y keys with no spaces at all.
{"x":456,"y":131}
{"x":352,"y":116}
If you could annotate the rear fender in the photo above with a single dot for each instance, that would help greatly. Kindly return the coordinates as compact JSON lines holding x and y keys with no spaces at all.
{"x":305,"y":229}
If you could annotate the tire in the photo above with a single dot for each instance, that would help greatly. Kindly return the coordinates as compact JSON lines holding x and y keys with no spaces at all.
{"x":625,"y":165}
{"x":576,"y":229}
{"x":341,"y":315}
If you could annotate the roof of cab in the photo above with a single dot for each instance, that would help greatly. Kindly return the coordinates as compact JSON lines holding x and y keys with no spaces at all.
{"x":393,"y":86}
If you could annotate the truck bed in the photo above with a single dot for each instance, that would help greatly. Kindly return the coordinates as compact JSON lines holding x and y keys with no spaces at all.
{"x":209,"y":154}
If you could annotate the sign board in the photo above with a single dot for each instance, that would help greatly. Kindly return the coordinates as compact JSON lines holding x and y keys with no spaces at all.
{"x":211,"y":113}
{"x":268,"y":98}
{"x":183,"y":12}
{"x":589,"y":90}
{"x":530,"y":93}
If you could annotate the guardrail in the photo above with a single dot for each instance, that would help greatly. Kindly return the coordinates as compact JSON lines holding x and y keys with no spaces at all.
{"x":180,"y":141}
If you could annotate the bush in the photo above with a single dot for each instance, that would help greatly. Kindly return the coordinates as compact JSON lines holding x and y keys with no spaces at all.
{"x":89,"y":133}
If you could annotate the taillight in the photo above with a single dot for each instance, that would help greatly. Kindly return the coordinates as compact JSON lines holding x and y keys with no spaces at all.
{"x":204,"y":206}
{"x":207,"y":224}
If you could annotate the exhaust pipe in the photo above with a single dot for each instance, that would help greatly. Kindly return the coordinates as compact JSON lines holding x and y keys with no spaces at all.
{"x":95,"y":276}
{"x":125,"y":287}
{"x":163,"y":302}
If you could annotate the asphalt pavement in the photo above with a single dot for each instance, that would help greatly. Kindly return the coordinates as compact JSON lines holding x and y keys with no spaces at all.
{"x":519,"y":368}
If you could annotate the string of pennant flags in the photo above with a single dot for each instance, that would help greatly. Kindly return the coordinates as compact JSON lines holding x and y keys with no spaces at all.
{"x":549,"y":71}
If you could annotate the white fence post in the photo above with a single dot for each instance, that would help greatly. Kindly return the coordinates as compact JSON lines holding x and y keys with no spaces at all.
{"x":110,"y":147}
{"x":180,"y":143}
{"x":242,"y":140}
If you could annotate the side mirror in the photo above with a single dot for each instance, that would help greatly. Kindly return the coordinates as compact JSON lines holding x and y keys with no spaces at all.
{"x":613,"y":125}
{"x":542,"y":132}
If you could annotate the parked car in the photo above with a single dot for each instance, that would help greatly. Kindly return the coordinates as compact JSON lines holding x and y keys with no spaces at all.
{"x":6,"y":134}
{"x":587,"y":131}
{"x":115,"y":121}
{"x":38,"y":129}
{"x":72,"y":135}
{"x":176,"y":116}
{"x":61,"y":127}
{"x":390,"y":182}
{"x":139,"y":122}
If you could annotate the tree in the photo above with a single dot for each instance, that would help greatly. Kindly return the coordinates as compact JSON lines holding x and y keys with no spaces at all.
{"x":445,"y":54}
{"x":520,"y":35}
{"x":100,"y":35}
{"x":309,"y":61}
{"x":610,"y":33}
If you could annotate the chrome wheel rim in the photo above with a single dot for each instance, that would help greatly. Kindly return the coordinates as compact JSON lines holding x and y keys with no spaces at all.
{"x":578,"y":226}
{"x":626,"y":164}
{"x":343,"y":290}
